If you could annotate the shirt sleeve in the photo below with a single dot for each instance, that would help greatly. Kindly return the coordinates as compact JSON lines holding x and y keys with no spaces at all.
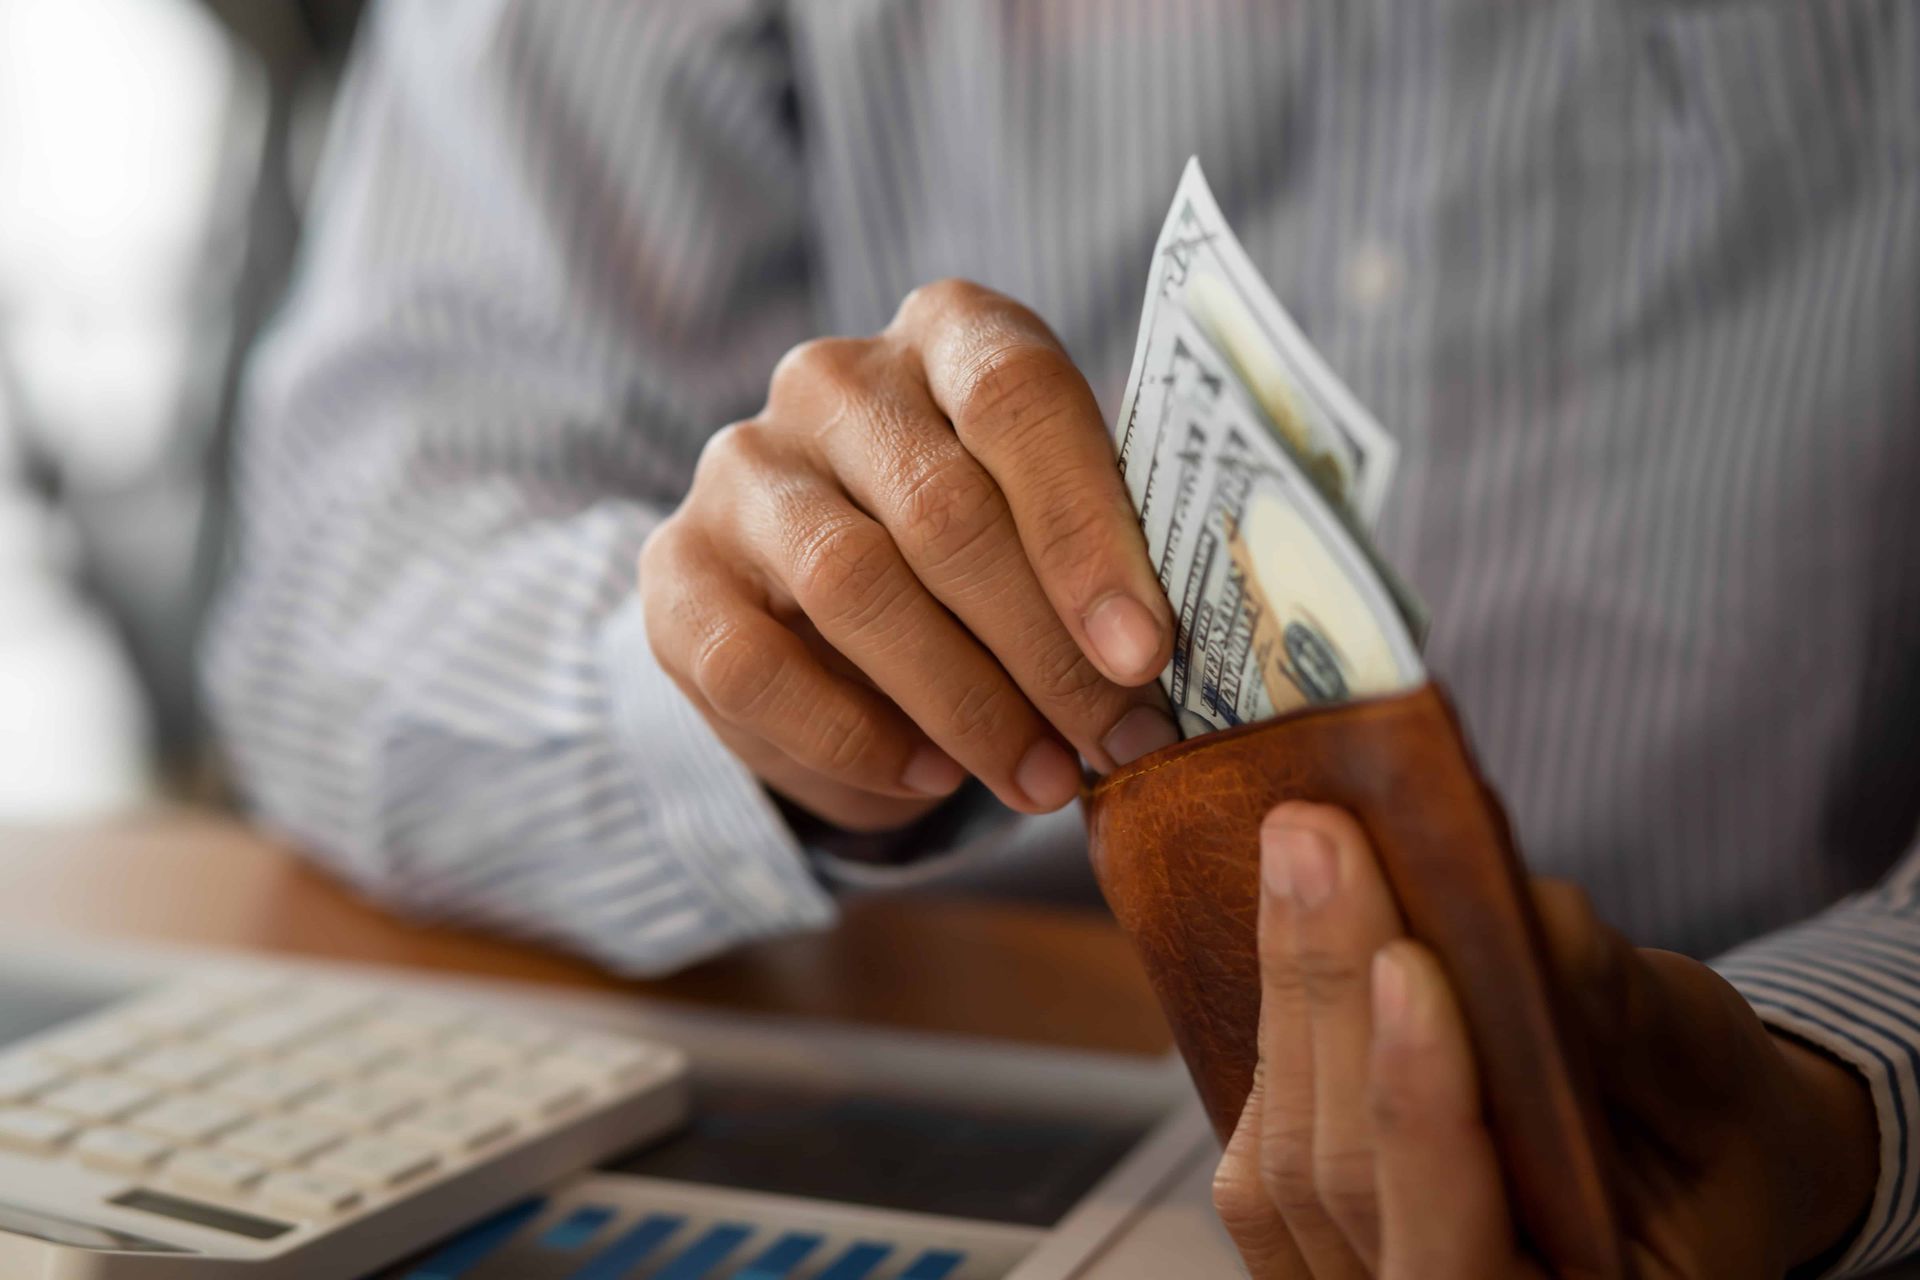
{"x":554,"y":247}
{"x":1848,"y":982}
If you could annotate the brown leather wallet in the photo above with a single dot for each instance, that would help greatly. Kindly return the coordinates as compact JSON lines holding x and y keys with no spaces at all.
{"x":1175,"y":844}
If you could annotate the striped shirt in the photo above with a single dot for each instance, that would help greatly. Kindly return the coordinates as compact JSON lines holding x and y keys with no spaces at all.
{"x":1636,"y":285}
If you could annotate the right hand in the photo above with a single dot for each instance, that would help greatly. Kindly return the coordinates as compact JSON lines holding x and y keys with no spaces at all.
{"x":917,"y":562}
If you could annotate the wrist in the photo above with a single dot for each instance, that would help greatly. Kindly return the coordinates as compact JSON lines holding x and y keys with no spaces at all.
{"x":1832,"y":1152}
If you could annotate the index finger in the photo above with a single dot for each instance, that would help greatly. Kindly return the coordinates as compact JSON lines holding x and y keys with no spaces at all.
{"x":1021,"y":406}
{"x":1443,"y":1205}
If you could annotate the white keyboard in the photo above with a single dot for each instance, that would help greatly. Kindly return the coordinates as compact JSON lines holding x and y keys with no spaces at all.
{"x":299,"y":1128}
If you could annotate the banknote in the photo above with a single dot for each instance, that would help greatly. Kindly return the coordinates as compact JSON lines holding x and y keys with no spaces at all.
{"x":1276,"y":604}
{"x":1254,"y":493}
{"x":1200,"y":268}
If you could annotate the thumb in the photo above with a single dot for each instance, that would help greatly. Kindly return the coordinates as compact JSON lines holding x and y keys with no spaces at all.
{"x":1643,"y":1016}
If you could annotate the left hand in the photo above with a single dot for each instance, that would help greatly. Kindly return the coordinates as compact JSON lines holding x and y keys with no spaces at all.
{"x":1363,"y":1150}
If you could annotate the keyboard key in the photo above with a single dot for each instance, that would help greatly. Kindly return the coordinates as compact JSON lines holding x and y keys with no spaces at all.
{"x":430,"y":1075}
{"x":361,"y":1106}
{"x":344,"y":1055}
{"x":273,"y":1031}
{"x":214,"y":1173}
{"x":861,"y":1260}
{"x":376,"y":1164}
{"x":638,"y":1243}
{"x":283,"y":1140}
{"x":190,"y":1119}
{"x":578,"y":1227}
{"x":603,"y":1058}
{"x":782,"y":1258}
{"x":469,"y":1250}
{"x":97,"y":1098}
{"x":100,"y":1045}
{"x":121,"y":1150}
{"x":934,"y":1264}
{"x":22,"y":1077}
{"x":175,"y":1013}
{"x":530,"y":1095}
{"x":482,"y":1050}
{"x":178,"y":1066}
{"x":412,"y":1025}
{"x":237,"y":996}
{"x":35,"y":1132}
{"x":306,"y":1196}
{"x":336,"y":1002}
{"x":530,"y":1037}
{"x":702,"y":1257}
{"x":455,"y":1128}
{"x":271,"y":1085}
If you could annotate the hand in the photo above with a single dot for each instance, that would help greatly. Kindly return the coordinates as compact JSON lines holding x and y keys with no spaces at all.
{"x":1363,"y":1150}
{"x":918,"y":561}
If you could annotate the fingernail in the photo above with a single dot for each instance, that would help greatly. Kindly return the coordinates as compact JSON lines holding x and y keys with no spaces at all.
{"x":1300,"y":865}
{"x":1141,"y":730}
{"x":1390,"y":1002}
{"x":1048,"y":775}
{"x":932,"y":772}
{"x":1125,"y":637}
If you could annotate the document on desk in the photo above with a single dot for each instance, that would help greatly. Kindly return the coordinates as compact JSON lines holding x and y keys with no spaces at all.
{"x":1256,"y":475}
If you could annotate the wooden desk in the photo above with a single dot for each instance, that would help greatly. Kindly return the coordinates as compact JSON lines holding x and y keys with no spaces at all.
{"x":1039,"y":974}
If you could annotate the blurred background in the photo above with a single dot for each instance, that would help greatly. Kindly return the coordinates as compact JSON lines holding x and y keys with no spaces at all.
{"x":154,"y":159}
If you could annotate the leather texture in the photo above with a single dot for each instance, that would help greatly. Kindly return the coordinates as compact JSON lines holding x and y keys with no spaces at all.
{"x":1175,"y":844}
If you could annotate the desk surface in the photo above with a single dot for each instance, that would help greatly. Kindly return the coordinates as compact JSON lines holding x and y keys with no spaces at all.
{"x":1046,"y":975}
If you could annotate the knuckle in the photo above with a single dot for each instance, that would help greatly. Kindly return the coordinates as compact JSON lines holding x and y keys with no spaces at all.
{"x":1343,"y":1184}
{"x":1072,"y":542}
{"x":658,"y":555}
{"x":672,"y":575}
{"x":840,"y":570}
{"x":1567,"y":899}
{"x":746,"y":445}
{"x":1063,"y":676}
{"x":1008,"y":389}
{"x":938,"y":298}
{"x":1241,"y":1203}
{"x":848,"y":744}
{"x":947,"y":509}
{"x":981,"y":712}
{"x":1282,"y":987}
{"x":736,"y":677}
{"x":1329,"y":977}
{"x":835,"y":366}
{"x":1286,"y":1170}
{"x":1587,"y":952}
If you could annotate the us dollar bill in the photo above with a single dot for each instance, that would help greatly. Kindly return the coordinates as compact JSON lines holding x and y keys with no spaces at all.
{"x":1253,"y":495}
{"x":1200,"y":269}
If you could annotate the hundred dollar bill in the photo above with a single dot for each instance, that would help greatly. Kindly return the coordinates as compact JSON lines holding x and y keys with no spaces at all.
{"x":1200,"y":268}
{"x":1255,"y":475}
{"x":1276,"y":604}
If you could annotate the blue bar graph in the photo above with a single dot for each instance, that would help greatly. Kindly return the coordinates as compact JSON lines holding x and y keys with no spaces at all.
{"x":467,"y":1251}
{"x":578,"y":1227}
{"x":778,"y":1262}
{"x":706,"y":1253}
{"x":613,"y":1262}
{"x":858,"y":1262}
{"x":934,"y":1264}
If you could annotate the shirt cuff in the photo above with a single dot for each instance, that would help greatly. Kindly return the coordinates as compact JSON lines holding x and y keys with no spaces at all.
{"x":1848,"y":982}
{"x":715,"y":820}
{"x":969,"y":829}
